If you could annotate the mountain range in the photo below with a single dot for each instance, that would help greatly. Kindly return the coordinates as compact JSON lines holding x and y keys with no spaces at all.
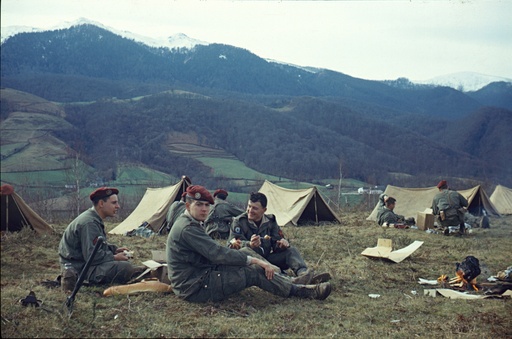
{"x":280,"y":119}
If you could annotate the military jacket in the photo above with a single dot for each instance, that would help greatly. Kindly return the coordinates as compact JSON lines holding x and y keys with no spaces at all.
{"x":177,"y":208}
{"x":79,"y":238}
{"x":192,"y":254}
{"x":222,"y":211}
{"x":242,"y":228}
{"x":449,"y":201}
{"x":387,"y":215}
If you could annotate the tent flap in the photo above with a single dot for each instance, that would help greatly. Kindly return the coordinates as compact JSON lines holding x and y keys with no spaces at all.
{"x":152,"y":208}
{"x":16,"y":214}
{"x":502,"y":199}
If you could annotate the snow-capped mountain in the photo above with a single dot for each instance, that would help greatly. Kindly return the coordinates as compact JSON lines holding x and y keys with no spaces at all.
{"x":463,"y":81}
{"x":178,"y":40}
{"x":9,"y":31}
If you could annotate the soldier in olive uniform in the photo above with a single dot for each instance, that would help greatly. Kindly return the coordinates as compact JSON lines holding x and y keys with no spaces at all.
{"x":221,"y":215}
{"x":201,"y":270}
{"x":450,"y":207}
{"x":382,"y":200}
{"x":260,"y":232}
{"x":110,"y":264}
{"x":175,"y":210}
{"x":386,"y":214}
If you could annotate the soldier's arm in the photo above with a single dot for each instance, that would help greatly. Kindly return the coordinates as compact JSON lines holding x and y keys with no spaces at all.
{"x":200,"y":242}
{"x":89,"y":234}
{"x":435,"y":209}
{"x":237,"y":232}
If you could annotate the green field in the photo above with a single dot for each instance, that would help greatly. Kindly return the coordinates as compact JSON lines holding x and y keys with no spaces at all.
{"x":233,"y":168}
{"x":37,"y":178}
{"x":138,"y":175}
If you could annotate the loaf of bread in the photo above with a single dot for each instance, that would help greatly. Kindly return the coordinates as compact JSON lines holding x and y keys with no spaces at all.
{"x":143,"y":286}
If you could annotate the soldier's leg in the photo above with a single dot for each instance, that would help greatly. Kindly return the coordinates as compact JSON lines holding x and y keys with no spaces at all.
{"x":249,"y":251}
{"x":111,"y":272}
{"x":462,"y":228}
{"x":290,"y":258}
{"x":228,"y":280}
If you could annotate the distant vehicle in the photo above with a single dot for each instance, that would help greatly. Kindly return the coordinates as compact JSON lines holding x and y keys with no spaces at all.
{"x":362,"y":190}
{"x":329,"y":186}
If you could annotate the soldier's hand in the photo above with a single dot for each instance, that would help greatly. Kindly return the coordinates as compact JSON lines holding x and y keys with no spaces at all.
{"x":121,"y":249}
{"x":255,"y":241}
{"x":121,"y":257}
{"x":235,"y":244}
{"x":283,"y":243}
{"x":268,"y":267}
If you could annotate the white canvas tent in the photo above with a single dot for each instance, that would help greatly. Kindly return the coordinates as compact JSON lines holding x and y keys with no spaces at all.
{"x":15,"y":214}
{"x":292,"y":207}
{"x":502,"y":199}
{"x":410,"y":201}
{"x":152,"y":208}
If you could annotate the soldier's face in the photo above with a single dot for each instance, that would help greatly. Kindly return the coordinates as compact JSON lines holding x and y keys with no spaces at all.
{"x":110,"y":207}
{"x":198,"y":209}
{"x":255,"y":211}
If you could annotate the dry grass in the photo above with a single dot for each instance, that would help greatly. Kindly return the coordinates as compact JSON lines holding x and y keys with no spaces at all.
{"x":27,"y":260}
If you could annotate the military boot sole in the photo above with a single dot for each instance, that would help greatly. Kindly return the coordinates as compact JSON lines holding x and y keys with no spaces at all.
{"x":322,"y":291}
{"x":320,"y":278}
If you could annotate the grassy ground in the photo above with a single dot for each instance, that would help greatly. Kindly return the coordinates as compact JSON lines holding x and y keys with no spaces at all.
{"x":26,"y":260}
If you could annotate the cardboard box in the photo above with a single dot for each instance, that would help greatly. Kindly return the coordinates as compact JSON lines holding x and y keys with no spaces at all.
{"x":424,"y":221}
{"x":159,"y":256}
{"x":384,"y":249}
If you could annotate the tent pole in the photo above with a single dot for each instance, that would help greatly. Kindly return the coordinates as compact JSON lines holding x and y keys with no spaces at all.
{"x":7,"y":213}
{"x":316,"y":211}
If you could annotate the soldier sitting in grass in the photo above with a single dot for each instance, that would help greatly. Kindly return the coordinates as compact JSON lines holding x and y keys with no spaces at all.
{"x":201,"y":270}
{"x":110,"y":264}
{"x":386,"y":216}
{"x":260,"y":233}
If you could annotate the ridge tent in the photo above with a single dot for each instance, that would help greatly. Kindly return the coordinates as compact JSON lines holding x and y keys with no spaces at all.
{"x":292,"y":207}
{"x":152,"y":208}
{"x":502,"y":199}
{"x":16,"y":214}
{"x":410,"y":201}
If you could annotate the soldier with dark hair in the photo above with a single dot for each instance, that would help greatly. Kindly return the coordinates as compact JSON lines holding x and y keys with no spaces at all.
{"x":260,"y":233}
{"x":386,"y":216}
{"x":110,"y":263}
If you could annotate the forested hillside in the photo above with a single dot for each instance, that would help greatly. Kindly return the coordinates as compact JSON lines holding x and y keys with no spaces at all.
{"x":124,"y":99}
{"x":306,"y":140}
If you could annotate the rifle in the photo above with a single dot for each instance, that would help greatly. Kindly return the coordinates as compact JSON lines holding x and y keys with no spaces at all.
{"x":71,"y":299}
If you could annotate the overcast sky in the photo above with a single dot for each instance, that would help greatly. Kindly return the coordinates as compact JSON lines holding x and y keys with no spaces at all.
{"x":380,"y":39}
